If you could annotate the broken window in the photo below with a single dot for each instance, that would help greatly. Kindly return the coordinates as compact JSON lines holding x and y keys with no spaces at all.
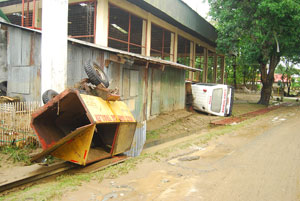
{"x":126,"y":31}
{"x":161,"y":43}
{"x":81,"y":20}
{"x":184,"y":51}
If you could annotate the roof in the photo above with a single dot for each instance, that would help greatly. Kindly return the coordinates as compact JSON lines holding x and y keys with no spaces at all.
{"x":116,"y":51}
{"x":187,"y":19}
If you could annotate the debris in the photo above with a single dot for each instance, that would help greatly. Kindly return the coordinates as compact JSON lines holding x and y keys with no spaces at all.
{"x":110,"y":196}
{"x":165,"y":181}
{"x":189,"y":158}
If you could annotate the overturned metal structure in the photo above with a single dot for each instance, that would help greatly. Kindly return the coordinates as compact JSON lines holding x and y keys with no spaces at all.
{"x":82,"y":128}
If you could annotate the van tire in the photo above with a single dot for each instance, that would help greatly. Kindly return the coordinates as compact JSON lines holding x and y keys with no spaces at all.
{"x":48,"y":95}
{"x":95,"y":74}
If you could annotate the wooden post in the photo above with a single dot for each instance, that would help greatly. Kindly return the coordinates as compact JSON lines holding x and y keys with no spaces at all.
{"x":214,"y":78}
{"x":54,"y":45}
{"x":204,"y":78}
{"x":191,"y":74}
{"x":222,"y":69}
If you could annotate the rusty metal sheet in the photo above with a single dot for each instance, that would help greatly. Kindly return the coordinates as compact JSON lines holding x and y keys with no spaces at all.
{"x":124,"y":137}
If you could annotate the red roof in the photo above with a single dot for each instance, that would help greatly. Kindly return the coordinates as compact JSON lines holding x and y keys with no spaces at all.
{"x":278,"y":77}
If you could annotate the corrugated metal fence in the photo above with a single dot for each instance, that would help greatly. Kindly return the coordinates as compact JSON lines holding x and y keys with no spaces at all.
{"x":15,"y":122}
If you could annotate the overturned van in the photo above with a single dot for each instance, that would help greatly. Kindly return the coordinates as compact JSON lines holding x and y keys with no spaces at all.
{"x":216,"y":99}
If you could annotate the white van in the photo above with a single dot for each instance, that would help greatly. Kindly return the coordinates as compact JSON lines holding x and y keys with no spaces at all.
{"x":214,"y":99}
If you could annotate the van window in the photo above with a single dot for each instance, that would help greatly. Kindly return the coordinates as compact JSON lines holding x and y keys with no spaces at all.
{"x":216,"y":101}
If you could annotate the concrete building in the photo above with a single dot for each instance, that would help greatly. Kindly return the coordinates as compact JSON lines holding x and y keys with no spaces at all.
{"x":148,"y":49}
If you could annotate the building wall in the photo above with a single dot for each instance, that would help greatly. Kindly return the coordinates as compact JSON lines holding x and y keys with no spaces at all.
{"x":24,"y":63}
{"x":147,"y":91}
{"x":3,"y":55}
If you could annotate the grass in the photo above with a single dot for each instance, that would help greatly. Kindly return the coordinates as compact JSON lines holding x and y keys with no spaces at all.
{"x":16,"y":154}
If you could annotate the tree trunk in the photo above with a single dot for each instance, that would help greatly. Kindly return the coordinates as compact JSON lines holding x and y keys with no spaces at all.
{"x":253,"y":79}
{"x":234,"y":76}
{"x":267,"y":79}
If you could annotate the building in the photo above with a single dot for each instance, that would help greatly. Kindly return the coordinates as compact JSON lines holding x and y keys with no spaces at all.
{"x":147,"y":48}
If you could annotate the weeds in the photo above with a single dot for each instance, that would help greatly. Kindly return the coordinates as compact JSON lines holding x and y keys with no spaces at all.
{"x":17,"y":154}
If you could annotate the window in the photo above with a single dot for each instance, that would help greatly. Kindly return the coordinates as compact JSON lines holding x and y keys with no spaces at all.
{"x":216,"y":101}
{"x":81,"y":20}
{"x":199,"y":62}
{"x":161,"y":43}
{"x":184,"y":51}
{"x":24,"y":17}
{"x":126,"y":31}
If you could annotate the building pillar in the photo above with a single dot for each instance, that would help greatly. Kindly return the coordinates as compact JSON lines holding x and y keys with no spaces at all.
{"x":222,"y":69}
{"x":191,"y":74}
{"x":205,"y":66}
{"x":214,"y":78}
{"x":175,"y":47}
{"x":54,"y":45}
{"x":101,"y":37}
{"x":148,"y":39}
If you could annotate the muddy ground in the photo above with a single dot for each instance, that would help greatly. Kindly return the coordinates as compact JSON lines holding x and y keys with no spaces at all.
{"x":247,"y":162}
{"x":174,"y":170}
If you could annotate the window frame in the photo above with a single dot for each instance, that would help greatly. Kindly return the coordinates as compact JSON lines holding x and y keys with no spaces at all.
{"x":95,"y":18}
{"x":162,"y":53}
{"x":128,"y":43}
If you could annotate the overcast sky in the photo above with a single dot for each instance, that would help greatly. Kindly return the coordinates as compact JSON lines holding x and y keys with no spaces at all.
{"x":200,"y":6}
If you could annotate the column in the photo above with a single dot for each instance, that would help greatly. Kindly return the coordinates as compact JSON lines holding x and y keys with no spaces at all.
{"x":54,"y":45}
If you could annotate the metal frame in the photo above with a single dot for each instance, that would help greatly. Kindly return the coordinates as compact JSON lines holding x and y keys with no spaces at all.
{"x":95,"y":17}
{"x":163,"y":42}
{"x":129,"y":29}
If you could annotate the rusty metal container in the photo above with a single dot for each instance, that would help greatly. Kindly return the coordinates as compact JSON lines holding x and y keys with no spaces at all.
{"x":82,"y":129}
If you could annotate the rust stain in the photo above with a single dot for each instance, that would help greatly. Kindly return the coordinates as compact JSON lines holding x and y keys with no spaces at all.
{"x":32,"y":43}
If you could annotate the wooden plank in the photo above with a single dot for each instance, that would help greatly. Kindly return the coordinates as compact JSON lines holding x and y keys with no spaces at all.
{"x":102,"y":164}
{"x":34,"y":173}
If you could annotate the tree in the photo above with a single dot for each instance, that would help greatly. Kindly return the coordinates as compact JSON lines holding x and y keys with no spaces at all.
{"x":262,"y":31}
{"x":287,"y":71}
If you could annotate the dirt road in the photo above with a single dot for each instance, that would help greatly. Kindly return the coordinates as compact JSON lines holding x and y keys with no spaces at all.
{"x":259,"y":161}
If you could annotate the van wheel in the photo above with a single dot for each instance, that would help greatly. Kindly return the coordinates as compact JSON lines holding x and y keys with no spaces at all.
{"x":96,"y":74}
{"x":48,"y":95}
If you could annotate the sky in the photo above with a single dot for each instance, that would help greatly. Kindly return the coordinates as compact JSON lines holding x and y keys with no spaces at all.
{"x":200,"y":6}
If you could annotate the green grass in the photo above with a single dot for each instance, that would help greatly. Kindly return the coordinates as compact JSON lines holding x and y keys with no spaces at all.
{"x":16,"y":154}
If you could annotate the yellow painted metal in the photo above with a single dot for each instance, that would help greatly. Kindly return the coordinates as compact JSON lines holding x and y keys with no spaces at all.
{"x":121,"y":110}
{"x":124,"y":137}
{"x":77,"y":149}
{"x":99,"y":109}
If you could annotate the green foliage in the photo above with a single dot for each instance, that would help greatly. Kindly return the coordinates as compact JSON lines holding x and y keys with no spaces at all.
{"x":258,"y":31}
{"x":17,"y":154}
